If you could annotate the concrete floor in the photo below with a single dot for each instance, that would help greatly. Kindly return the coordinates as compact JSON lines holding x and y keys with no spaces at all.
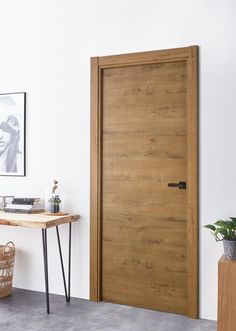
{"x":25,"y":310}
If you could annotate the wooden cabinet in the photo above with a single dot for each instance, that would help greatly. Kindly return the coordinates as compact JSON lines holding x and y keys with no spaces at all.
{"x":226,"y":295}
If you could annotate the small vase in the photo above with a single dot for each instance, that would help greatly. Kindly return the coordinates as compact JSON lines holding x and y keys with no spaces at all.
{"x":54,"y":208}
{"x":229,"y":249}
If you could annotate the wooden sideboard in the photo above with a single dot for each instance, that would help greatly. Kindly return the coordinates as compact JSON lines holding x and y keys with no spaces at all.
{"x":226,"y":295}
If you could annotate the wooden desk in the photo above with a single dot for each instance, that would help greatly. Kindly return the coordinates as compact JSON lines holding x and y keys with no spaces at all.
{"x":44,"y":221}
{"x":226,"y":295}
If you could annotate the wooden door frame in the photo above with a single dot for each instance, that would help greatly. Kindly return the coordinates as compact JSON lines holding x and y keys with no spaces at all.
{"x":190,"y":55}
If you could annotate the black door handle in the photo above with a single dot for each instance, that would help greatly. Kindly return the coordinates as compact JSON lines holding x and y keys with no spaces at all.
{"x":180,"y":185}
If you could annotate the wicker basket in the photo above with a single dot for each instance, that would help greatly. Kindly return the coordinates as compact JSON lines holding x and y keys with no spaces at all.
{"x":7,"y":258}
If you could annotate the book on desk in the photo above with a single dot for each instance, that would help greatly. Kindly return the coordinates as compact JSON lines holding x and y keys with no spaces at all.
{"x":24,"y":205}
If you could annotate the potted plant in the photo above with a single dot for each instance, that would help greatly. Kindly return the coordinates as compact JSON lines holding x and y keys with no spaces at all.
{"x":54,"y":199}
{"x":225,"y":231}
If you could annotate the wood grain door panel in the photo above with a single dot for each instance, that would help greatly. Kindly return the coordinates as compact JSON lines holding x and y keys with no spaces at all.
{"x":144,"y":234}
{"x":144,"y":239}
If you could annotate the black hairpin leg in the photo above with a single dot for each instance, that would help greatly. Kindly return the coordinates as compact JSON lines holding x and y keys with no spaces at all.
{"x":45,"y":257}
{"x":67,"y":289}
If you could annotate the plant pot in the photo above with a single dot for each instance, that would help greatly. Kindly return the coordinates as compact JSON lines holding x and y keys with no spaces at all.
{"x":229,"y":249}
{"x":54,"y":208}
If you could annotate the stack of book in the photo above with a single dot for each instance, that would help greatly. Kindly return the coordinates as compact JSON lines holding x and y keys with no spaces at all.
{"x":24,"y":205}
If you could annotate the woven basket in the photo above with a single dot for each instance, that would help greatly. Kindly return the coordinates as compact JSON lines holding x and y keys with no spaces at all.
{"x":7,"y":258}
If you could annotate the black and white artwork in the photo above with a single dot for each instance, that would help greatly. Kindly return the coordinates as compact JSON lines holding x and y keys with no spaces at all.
{"x":12,"y":134}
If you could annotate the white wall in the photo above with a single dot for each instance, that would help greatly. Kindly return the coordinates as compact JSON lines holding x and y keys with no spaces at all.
{"x":45,"y":50}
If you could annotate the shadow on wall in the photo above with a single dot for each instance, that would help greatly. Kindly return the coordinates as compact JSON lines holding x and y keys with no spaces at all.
{"x":22,"y":259}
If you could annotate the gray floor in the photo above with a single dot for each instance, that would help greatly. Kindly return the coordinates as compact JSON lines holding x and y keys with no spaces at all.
{"x":25,"y":310}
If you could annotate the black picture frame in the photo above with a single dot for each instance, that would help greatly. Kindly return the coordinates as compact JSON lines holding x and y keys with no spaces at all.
{"x":12,"y":134}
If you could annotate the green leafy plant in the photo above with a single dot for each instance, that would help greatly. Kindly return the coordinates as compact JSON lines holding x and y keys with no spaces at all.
{"x":55,"y":200}
{"x":223,"y":230}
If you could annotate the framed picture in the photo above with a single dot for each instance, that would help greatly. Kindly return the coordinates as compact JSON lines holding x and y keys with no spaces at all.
{"x":12,"y":134}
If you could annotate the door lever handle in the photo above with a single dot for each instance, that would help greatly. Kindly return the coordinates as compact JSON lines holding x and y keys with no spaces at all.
{"x":180,"y":185}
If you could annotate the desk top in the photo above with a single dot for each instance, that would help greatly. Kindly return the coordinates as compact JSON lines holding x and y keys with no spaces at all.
{"x":42,"y":220}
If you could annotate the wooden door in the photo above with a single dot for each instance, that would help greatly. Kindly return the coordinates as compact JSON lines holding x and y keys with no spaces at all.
{"x":144,"y":140}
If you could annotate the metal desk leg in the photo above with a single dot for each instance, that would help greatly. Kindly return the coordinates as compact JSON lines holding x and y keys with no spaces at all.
{"x":69,"y":265}
{"x":45,"y":256}
{"x":67,"y":289}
